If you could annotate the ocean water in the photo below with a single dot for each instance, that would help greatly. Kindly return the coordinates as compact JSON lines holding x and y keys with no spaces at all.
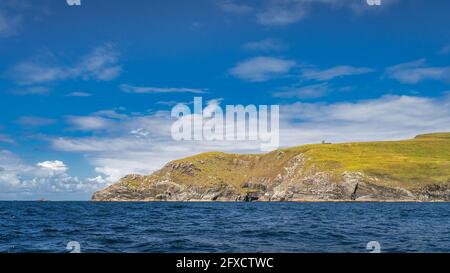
{"x":224,"y":227}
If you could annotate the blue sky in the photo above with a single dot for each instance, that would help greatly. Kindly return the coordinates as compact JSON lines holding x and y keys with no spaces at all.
{"x":86,"y":91}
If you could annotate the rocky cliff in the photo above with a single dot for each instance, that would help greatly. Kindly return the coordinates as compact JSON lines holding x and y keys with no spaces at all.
{"x":410,"y":170}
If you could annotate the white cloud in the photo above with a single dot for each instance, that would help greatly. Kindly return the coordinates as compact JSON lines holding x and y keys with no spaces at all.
{"x":49,"y":179}
{"x":10,"y":165}
{"x":137,"y":144}
{"x":101,"y":64}
{"x":261,"y":69}
{"x":114,"y":154}
{"x":140,"y":132}
{"x":285,"y":12}
{"x":33,"y":73}
{"x":115,"y":157}
{"x":282,"y":13}
{"x":154,"y":90}
{"x":418,"y":71}
{"x":9,"y":178}
{"x":89,"y":123}
{"x":334,"y":72}
{"x":100,"y":120}
{"x":266,"y":45}
{"x":304,"y":92}
{"x":386,"y":118}
{"x":53,"y":166}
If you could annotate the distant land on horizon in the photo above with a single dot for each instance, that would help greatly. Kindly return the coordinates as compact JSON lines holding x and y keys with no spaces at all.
{"x":407,"y":170}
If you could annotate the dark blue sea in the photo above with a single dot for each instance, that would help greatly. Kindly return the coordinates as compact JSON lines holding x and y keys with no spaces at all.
{"x":224,"y":227}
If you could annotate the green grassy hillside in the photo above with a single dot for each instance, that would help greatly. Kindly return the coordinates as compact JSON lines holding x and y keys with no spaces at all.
{"x":407,"y":164}
{"x":416,"y":169}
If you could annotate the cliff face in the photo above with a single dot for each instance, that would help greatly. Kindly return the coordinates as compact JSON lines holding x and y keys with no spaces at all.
{"x":410,"y":170}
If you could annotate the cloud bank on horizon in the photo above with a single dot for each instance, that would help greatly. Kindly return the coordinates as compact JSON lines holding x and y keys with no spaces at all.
{"x":86,"y":100}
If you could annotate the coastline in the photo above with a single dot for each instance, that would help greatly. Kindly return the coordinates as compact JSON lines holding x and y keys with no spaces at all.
{"x":286,"y":201}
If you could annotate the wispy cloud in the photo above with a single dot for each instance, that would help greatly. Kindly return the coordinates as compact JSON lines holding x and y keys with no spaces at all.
{"x":79,"y":94}
{"x":93,"y":122}
{"x":305,"y":92}
{"x":385,"y":118}
{"x":103,"y":120}
{"x":261,"y":69}
{"x":334,"y":72}
{"x":232,"y":6}
{"x":9,"y":24}
{"x":35,"y":121}
{"x":6,"y":139}
{"x":418,"y":71}
{"x":88,"y":123}
{"x":101,"y":64}
{"x":31,"y":90}
{"x":284,"y":12}
{"x":445,"y":50}
{"x":154,"y":90}
{"x":117,"y":152}
{"x":15,"y":13}
{"x":170,"y":102}
{"x":266,"y":45}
